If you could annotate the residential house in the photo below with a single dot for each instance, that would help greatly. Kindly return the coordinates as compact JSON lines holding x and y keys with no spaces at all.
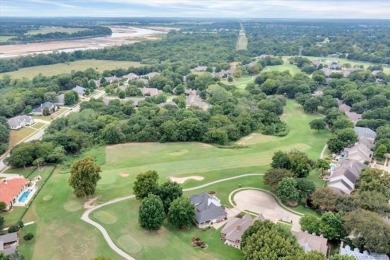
{"x":311,"y":242}
{"x":235,"y":227}
{"x":225,"y":73}
{"x":60,"y":100}
{"x":317,"y":63}
{"x":38,"y":111}
{"x":194,"y":100}
{"x":346,"y":250}
{"x":10,"y":190}
{"x":112,"y":79}
{"x":376,"y":72}
{"x":354,"y":117}
{"x":344,"y":177}
{"x":264,"y":56}
{"x":365,"y":132}
{"x":208,"y":209}
{"x":334,"y":66}
{"x":18,"y":122}
{"x":150,"y":92}
{"x":131,"y":76}
{"x":200,"y":69}
{"x":80,"y":90}
{"x":358,"y":152}
{"x":327,"y":72}
{"x":8,"y":243}
{"x":150,"y":75}
{"x":318,"y":93}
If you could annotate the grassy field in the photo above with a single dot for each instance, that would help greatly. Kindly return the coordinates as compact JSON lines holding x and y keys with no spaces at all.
{"x":286,"y":66}
{"x":18,"y":135}
{"x":55,"y":69}
{"x":57,"y":212}
{"x":242,"y":43}
{"x":5,"y":38}
{"x":45,"y":30}
{"x":242,"y":82}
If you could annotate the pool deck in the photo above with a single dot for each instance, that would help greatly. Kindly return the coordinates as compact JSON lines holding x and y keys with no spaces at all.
{"x":34,"y":189}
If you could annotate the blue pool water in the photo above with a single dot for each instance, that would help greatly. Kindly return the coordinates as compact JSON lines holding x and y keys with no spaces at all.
{"x":24,"y":196}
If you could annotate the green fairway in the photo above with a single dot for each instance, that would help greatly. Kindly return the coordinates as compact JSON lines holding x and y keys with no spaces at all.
{"x":5,"y":38}
{"x":286,"y":66}
{"x":57,"y":212}
{"x":81,"y":65}
{"x":241,"y":83}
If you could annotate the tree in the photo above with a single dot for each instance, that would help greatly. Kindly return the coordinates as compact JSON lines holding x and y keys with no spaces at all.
{"x":151,"y":213}
{"x":374,"y":180}
{"x":311,"y":105}
{"x":181,"y":213}
{"x":287,"y":191}
{"x":273,"y":176}
{"x":264,"y":240}
{"x":46,"y":111}
{"x":381,"y":150}
{"x":281,"y":160}
{"x":331,"y":226}
{"x":3,"y":206}
{"x":145,"y":183}
{"x":310,"y":224}
{"x":71,"y":97}
{"x":325,"y":198}
{"x":313,"y":255}
{"x":300,"y":163}
{"x":13,"y":229}
{"x":101,"y":258}
{"x":168,"y":192}
{"x":317,"y":124}
{"x":84,"y":177}
{"x":28,"y":237}
{"x":322,"y":164}
{"x":369,"y":230}
{"x":305,"y":188}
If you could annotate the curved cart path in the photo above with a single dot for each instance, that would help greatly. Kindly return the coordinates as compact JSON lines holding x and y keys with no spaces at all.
{"x":112,"y":245}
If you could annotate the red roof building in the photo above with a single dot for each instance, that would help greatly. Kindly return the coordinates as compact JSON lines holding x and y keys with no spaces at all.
{"x":10,"y":190}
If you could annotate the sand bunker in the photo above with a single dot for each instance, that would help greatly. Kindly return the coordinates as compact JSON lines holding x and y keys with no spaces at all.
{"x":183,"y":179}
{"x":90,"y":203}
{"x":124,"y":174}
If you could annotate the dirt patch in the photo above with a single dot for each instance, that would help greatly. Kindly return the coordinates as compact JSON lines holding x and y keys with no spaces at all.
{"x":183,"y":179}
{"x":90,"y":203}
{"x":207,"y":145}
{"x":123,"y":174}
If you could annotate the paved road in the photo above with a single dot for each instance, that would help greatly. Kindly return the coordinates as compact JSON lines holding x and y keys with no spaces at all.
{"x":85,"y":216}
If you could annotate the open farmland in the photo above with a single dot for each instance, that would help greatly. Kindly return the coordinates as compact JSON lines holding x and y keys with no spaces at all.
{"x":81,"y":65}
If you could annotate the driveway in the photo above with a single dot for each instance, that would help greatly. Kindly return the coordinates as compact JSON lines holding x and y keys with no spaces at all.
{"x":261,"y":202}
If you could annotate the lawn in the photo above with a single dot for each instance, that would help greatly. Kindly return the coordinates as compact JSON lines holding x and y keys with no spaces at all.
{"x":57,"y":212}
{"x":18,"y":135}
{"x":286,"y":66}
{"x":81,"y":65}
{"x":5,"y":38}
{"x":242,"y":43}
{"x":45,"y":30}
{"x":242,"y":82}
{"x":38,"y":125}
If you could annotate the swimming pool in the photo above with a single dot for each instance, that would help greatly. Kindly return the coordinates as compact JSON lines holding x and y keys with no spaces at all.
{"x":24,"y":196}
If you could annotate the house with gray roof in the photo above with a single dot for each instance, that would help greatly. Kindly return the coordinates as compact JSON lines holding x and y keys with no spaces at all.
{"x":365,"y":132}
{"x":358,"y":152}
{"x":208,"y":209}
{"x":194,"y":100}
{"x":311,"y":242}
{"x":150,"y":75}
{"x":200,"y":69}
{"x":344,"y":177}
{"x":235,"y":228}
{"x":18,"y":122}
{"x":80,"y":90}
{"x":8,"y":243}
{"x":38,"y":111}
{"x":130,"y":76}
{"x":112,"y":79}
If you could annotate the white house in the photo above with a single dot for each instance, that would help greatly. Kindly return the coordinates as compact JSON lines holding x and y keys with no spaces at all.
{"x":18,"y":122}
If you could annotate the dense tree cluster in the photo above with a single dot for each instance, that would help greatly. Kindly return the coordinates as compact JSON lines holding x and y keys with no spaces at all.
{"x":4,"y":134}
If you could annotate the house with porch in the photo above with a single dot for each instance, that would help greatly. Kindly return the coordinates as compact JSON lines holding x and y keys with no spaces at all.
{"x":21,"y":121}
{"x":10,"y":189}
{"x":235,"y":227}
{"x":311,"y":242}
{"x":208,"y":210}
{"x":9,"y":243}
{"x":38,"y":111}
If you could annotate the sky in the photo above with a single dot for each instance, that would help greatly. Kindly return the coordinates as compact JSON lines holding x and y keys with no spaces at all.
{"x":328,"y":9}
